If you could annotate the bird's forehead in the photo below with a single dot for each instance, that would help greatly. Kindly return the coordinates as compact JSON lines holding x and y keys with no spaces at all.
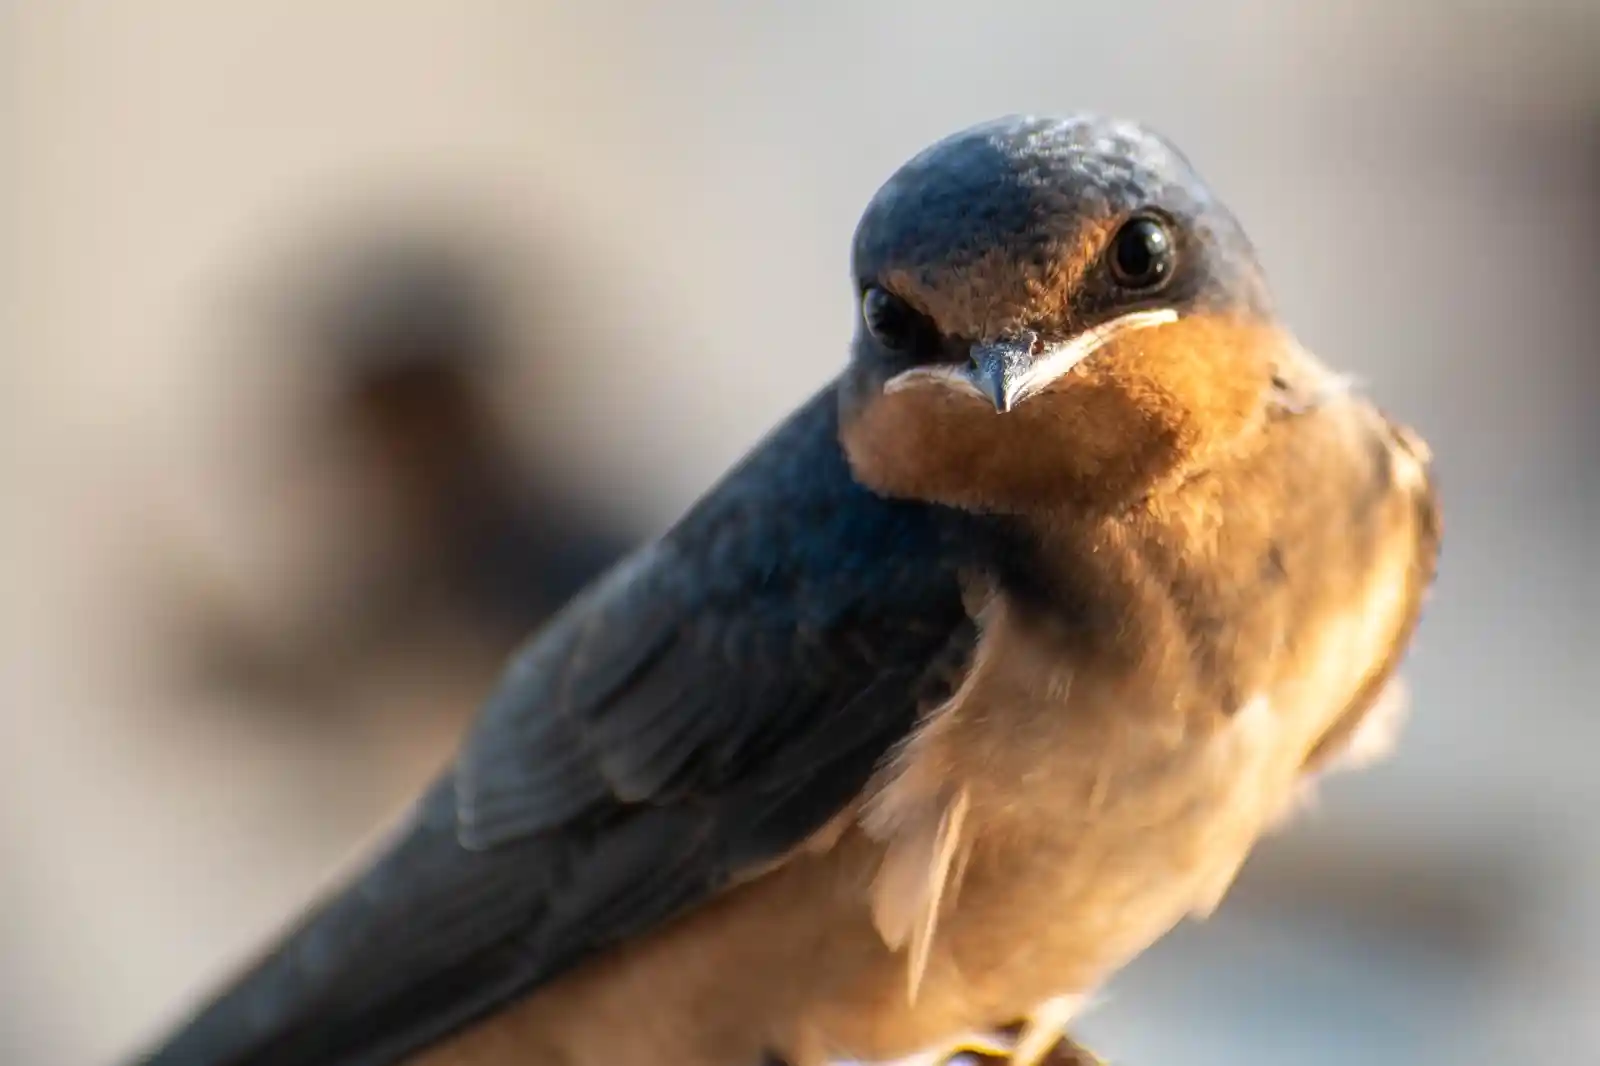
{"x":1020,"y":188}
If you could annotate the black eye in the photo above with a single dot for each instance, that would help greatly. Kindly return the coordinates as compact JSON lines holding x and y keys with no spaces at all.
{"x":895,"y":323}
{"x":1142,"y":255}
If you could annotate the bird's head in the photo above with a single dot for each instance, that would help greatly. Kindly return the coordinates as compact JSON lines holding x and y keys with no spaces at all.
{"x":1052,"y":311}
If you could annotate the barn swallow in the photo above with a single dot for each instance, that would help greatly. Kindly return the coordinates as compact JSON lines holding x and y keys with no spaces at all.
{"x":985,"y":669}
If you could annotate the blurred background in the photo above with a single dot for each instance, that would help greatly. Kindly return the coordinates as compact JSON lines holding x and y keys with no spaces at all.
{"x":343,"y":340}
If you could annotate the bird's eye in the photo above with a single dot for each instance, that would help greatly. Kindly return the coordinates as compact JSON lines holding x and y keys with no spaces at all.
{"x":895,"y":323}
{"x":1142,"y":255}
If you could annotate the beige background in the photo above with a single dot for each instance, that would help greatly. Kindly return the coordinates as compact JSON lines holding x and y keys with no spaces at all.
{"x":1421,"y":180}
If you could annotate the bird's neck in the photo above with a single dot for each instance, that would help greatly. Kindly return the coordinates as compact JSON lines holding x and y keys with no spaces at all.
{"x":1105,"y":575}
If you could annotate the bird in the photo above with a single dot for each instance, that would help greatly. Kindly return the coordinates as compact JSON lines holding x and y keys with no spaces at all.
{"x":985,"y":668}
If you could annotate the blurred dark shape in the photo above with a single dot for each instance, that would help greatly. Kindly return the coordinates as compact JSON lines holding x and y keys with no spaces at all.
{"x":408,"y":339}
{"x":415,"y":344}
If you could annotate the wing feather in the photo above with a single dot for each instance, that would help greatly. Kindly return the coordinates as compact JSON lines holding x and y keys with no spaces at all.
{"x":690,"y":719}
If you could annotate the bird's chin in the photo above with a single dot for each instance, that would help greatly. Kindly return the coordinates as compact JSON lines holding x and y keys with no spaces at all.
{"x":945,"y":445}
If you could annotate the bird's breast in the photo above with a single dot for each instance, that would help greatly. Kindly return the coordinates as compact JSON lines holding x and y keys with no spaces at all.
{"x":1099,"y":803}
{"x":1090,"y":820}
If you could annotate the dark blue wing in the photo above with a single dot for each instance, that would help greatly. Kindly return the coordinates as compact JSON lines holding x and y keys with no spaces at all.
{"x":698,"y":712}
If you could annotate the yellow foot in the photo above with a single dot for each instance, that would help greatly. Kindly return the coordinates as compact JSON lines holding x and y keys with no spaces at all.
{"x":979,"y":1047}
{"x":1066,"y":1052}
{"x":1040,"y":1040}
{"x":1073,"y":1053}
{"x":1045,"y":1028}
{"x":971,"y":1049}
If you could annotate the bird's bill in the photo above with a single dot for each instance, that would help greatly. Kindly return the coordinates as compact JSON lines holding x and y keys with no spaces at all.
{"x":1008,"y":371}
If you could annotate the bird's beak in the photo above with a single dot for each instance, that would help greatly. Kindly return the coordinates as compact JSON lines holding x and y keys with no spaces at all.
{"x":1000,"y":369}
{"x":1009,"y":370}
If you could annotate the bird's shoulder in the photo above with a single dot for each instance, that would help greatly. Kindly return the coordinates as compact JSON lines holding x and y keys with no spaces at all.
{"x":785,"y":593}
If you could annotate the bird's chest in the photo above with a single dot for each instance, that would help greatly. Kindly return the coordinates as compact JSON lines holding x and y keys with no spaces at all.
{"x":1077,"y":811}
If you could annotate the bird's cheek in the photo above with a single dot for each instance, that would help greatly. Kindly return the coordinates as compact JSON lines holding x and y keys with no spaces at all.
{"x":1201,"y":385}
